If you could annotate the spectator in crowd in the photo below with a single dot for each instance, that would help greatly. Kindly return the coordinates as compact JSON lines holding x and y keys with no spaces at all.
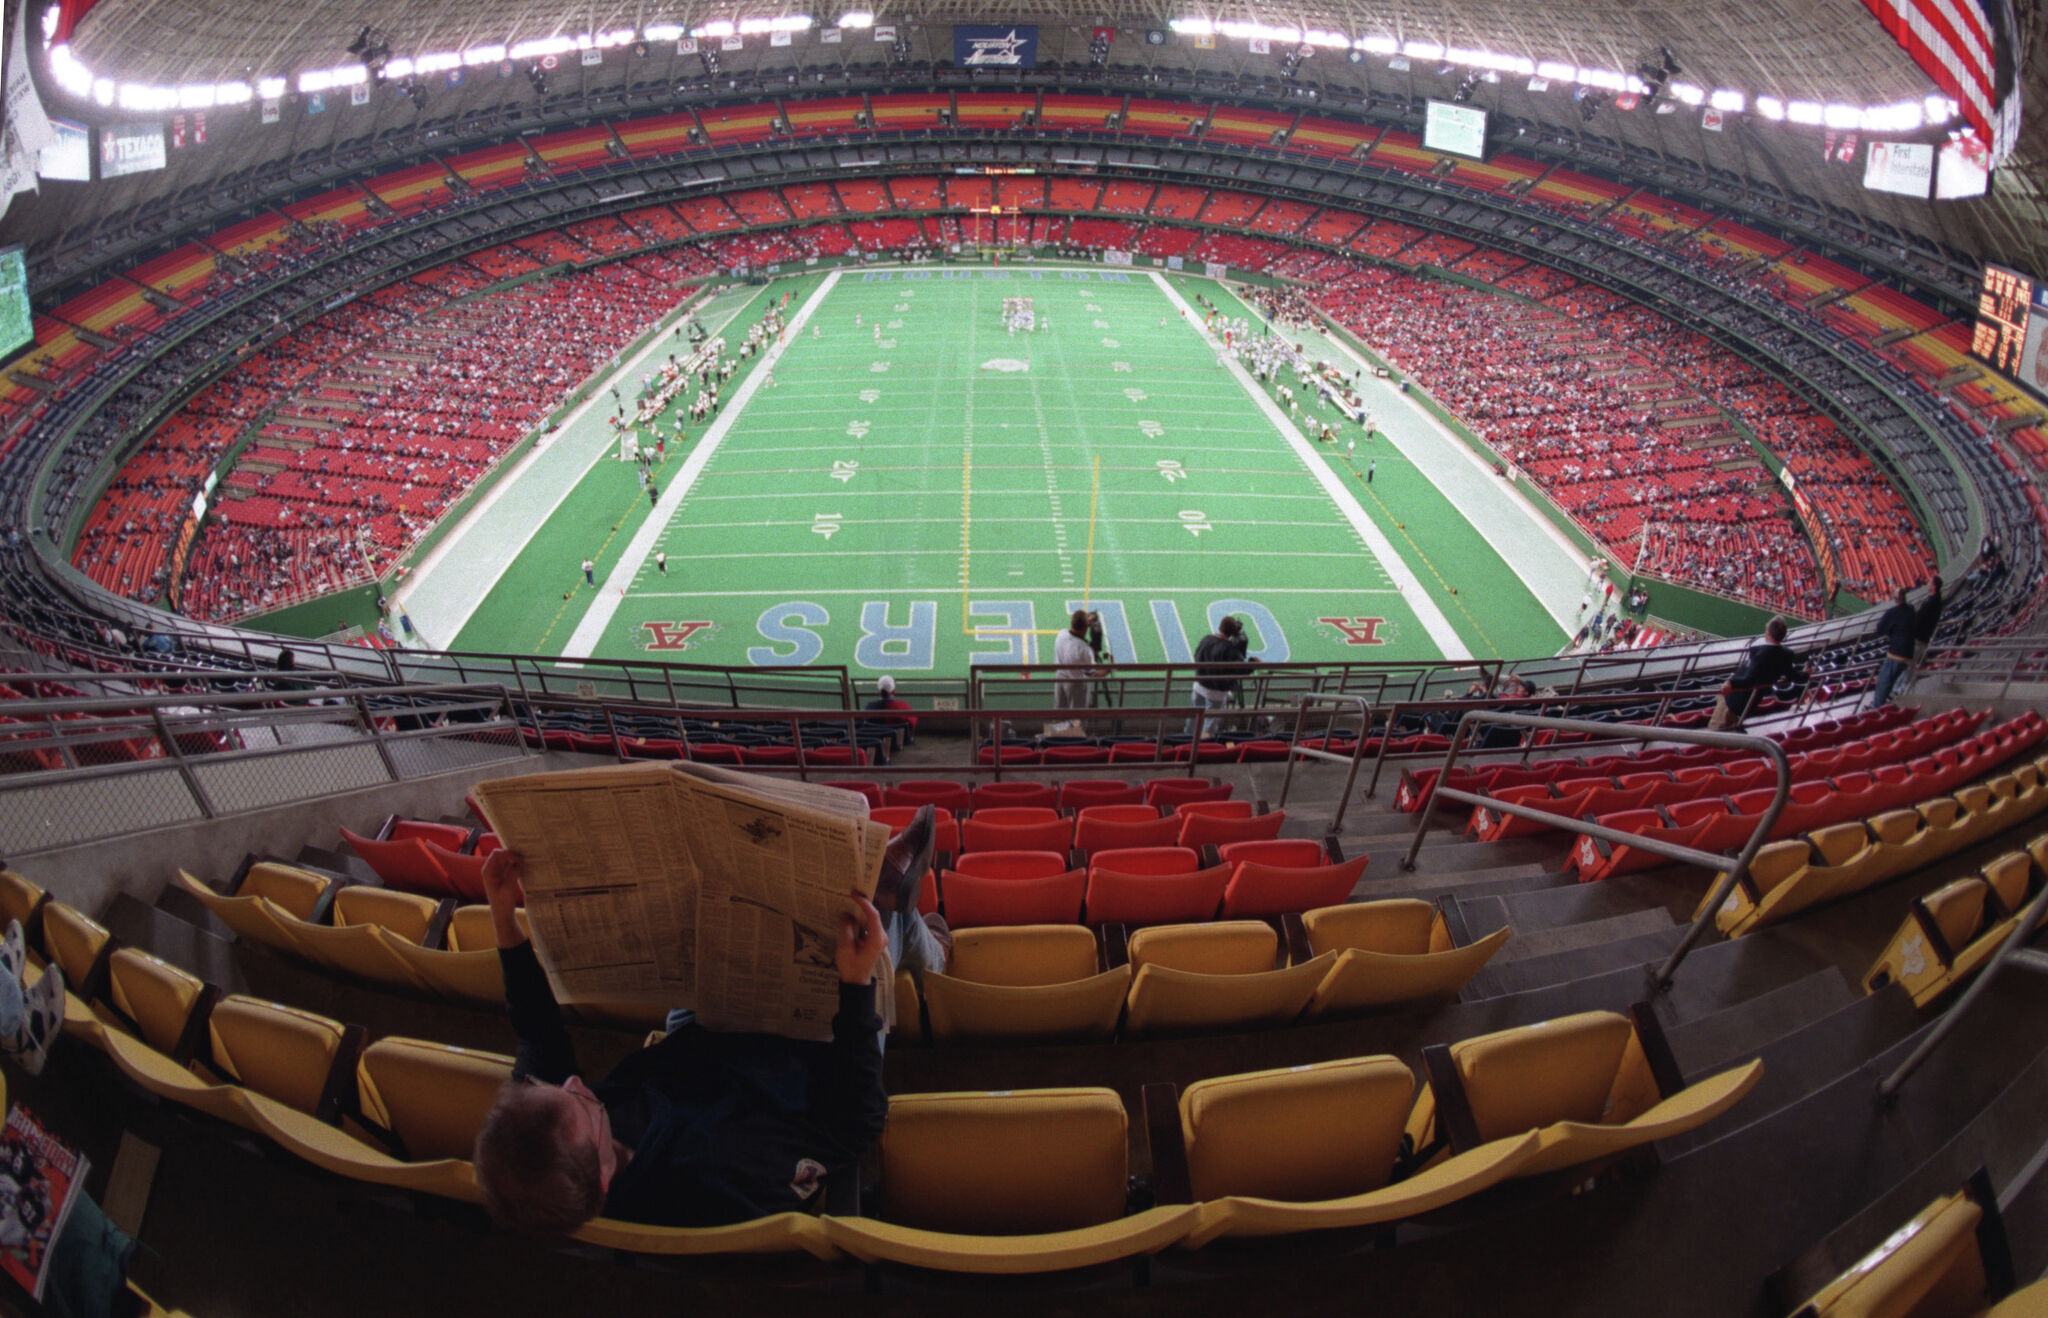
{"x":701,"y":1128}
{"x":1767,"y":664}
{"x":1219,"y":664}
{"x":1925,"y":619}
{"x":1897,"y":629}
{"x":1075,"y":657}
{"x":886,"y":700}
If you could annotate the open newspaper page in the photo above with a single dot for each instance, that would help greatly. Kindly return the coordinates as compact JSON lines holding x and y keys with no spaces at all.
{"x":778,"y":860}
{"x":40,"y":1178}
{"x":611,"y":879}
{"x":688,"y":886}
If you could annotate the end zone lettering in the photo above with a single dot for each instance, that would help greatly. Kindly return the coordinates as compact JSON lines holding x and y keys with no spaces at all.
{"x":1358,"y":631}
{"x":671,"y":635}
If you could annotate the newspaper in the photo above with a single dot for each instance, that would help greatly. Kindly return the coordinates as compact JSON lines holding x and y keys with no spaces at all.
{"x":40,"y":1179}
{"x":687,"y":885}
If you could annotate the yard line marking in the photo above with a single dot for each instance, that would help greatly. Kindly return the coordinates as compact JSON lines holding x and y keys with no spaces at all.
{"x":926,"y":592}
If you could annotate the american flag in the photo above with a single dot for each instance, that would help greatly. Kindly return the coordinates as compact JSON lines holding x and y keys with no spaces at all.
{"x":1969,"y":48}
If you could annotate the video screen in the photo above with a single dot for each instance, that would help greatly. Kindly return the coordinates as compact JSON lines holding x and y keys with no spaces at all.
{"x":1458,"y":130}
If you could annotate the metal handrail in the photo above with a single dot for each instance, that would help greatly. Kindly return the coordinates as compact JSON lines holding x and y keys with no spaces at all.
{"x":1296,"y":751}
{"x":1729,"y":740}
{"x":2030,"y":921}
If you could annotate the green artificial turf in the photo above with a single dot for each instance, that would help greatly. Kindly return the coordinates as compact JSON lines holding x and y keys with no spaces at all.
{"x":945,"y":494}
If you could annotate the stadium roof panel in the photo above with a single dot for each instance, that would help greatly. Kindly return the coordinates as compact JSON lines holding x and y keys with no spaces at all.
{"x":1769,"y":53}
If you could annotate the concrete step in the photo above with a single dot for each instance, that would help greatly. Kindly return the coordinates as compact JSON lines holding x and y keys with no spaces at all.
{"x":1803,"y":1061}
{"x":1564,"y":965}
{"x":1572,"y":903}
{"x":1507,"y":878}
{"x":2003,"y":1139}
{"x":1538,"y":943}
{"x":1716,"y":1042}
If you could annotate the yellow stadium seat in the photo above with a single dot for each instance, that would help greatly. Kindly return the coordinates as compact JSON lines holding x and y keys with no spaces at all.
{"x":18,"y":900}
{"x":1301,"y":1133}
{"x":1390,"y":952}
{"x":159,"y":999}
{"x":473,"y":978}
{"x":470,"y":929}
{"x":252,"y":914}
{"x":1589,"y":1085}
{"x":293,"y":1056}
{"x":1944,"y":1263}
{"x":169,"y":1079}
{"x":1226,"y":947}
{"x":782,"y":1233}
{"x":1027,"y":1181}
{"x":367,"y":922}
{"x":1951,"y":933}
{"x":335,"y":1150}
{"x":74,"y":942}
{"x":429,"y":1097}
{"x":961,"y":1010}
{"x":1921,"y":956}
{"x":1164,"y":1000}
{"x":1024,"y":955}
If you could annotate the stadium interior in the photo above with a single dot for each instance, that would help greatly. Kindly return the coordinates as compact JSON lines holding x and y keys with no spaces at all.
{"x":1505,"y":983}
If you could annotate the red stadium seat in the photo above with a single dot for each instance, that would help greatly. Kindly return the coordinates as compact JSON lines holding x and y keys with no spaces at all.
{"x":1009,"y":865}
{"x":980,"y":832}
{"x":1055,"y":899}
{"x":1257,"y":890}
{"x":927,"y":791}
{"x":1115,"y":897}
{"x":1077,"y":793}
{"x":1148,"y":860}
{"x":449,"y":837}
{"x":408,"y":866}
{"x":1217,"y":830}
{"x":1170,"y":792}
{"x":872,"y":791}
{"x":1107,"y":827}
{"x":1215,"y":809}
{"x":991,"y":795}
{"x":1286,"y":852}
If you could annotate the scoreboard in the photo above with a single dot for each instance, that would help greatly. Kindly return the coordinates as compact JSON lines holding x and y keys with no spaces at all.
{"x":17,"y":326}
{"x":2012,"y":321}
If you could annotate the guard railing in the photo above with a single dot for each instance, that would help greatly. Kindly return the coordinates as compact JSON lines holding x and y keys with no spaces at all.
{"x":1731,"y":875}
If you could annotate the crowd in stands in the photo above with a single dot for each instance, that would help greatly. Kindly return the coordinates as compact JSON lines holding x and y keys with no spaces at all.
{"x":359,"y":431}
{"x":1633,"y":424}
{"x":1651,"y":390}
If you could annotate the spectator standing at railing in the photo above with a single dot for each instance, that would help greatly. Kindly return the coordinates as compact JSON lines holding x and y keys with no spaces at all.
{"x":1766,"y":665}
{"x":1896,"y":629}
{"x":1075,"y":659}
{"x":1925,"y":619}
{"x":1219,"y":663}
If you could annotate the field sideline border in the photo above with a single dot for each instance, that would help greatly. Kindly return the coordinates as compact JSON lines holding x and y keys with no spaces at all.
{"x":605,"y":605}
{"x":1424,"y":605}
{"x":442,"y":593}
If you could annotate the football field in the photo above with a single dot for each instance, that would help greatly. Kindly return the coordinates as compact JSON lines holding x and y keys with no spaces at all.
{"x":904,"y":485}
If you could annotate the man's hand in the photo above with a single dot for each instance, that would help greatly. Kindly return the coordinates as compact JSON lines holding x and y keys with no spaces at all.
{"x":861,"y":941}
{"x":503,"y":870}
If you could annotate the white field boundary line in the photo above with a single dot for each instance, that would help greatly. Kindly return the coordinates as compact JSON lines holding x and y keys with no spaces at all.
{"x":469,"y":590}
{"x":1432,"y":618}
{"x":606,"y":603}
{"x":1556,"y":605}
{"x":933,"y":592}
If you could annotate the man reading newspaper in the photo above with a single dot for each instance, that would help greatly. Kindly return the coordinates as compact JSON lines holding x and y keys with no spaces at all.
{"x":707,"y":1126}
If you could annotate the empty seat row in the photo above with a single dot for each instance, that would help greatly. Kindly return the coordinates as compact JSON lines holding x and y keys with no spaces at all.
{"x":1047,"y":983}
{"x":1492,"y":778}
{"x":1954,"y":931}
{"x":1009,"y":1182}
{"x":963,"y":799}
{"x":1831,"y":863}
{"x":1140,"y":885}
{"x":1092,"y":829}
{"x":1725,"y":823}
{"x":1580,"y":796}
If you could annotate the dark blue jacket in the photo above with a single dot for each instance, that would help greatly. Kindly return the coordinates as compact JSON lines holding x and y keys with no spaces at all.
{"x":723,"y":1127}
